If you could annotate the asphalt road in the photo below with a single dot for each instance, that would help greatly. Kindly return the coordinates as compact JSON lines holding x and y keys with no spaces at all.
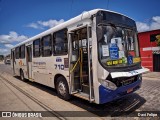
{"x":145,"y":99}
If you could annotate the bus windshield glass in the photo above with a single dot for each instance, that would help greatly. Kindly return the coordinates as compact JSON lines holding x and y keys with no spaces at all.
{"x":117,"y":45}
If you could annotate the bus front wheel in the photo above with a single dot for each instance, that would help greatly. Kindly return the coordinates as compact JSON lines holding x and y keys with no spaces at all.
{"x":62,"y":88}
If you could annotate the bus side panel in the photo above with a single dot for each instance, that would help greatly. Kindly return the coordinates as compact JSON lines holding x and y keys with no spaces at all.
{"x":44,"y":69}
{"x":20,"y":64}
{"x":23,"y":66}
{"x":17,"y":67}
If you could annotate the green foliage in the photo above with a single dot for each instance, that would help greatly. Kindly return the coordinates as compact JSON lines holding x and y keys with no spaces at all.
{"x":158,"y":40}
{"x":1,"y":57}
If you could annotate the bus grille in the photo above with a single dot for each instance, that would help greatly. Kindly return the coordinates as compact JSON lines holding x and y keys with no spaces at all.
{"x":124,"y":81}
{"x":127,"y":81}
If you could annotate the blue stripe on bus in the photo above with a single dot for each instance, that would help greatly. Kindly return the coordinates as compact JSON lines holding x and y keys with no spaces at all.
{"x":107,"y":95}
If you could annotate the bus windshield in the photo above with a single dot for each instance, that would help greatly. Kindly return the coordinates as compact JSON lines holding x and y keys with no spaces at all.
{"x":117,"y":45}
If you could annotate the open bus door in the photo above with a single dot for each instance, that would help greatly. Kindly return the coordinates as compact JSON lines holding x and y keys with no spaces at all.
{"x":13,"y":60}
{"x":81,"y":63}
{"x":29,"y":61}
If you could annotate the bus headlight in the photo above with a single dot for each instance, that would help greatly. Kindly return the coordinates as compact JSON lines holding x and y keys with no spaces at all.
{"x":107,"y":84}
{"x":139,"y":77}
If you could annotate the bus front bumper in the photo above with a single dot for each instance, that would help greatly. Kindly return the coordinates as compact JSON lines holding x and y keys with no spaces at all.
{"x":107,"y":95}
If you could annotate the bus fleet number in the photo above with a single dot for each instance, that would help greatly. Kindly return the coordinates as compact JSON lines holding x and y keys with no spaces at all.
{"x":60,"y":67}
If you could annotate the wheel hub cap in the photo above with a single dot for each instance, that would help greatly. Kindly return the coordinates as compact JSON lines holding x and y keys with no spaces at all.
{"x":62,"y":88}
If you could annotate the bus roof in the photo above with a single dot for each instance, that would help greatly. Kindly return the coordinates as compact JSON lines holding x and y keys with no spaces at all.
{"x":84,"y":15}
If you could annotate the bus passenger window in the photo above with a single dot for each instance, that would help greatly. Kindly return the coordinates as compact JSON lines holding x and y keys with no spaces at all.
{"x":60,"y":42}
{"x":36,"y":48}
{"x":22,"y":51}
{"x":90,"y":32}
{"x":17,"y":52}
{"x":46,"y":46}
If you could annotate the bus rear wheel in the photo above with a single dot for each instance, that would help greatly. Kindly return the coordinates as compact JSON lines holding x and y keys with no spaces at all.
{"x":22,"y":75}
{"x":62,"y":88}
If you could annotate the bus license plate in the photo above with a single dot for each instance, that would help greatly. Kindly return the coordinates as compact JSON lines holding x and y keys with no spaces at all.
{"x":129,"y":90}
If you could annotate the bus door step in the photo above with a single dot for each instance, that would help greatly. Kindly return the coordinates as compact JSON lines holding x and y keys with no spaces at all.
{"x":74,"y":92}
{"x":83,"y":96}
{"x":85,"y":88}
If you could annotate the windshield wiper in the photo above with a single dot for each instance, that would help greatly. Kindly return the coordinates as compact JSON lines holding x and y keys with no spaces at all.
{"x":102,"y":24}
{"x":112,"y":25}
{"x":107,"y":24}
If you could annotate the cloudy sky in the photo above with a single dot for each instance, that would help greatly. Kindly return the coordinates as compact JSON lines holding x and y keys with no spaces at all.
{"x":21,"y":19}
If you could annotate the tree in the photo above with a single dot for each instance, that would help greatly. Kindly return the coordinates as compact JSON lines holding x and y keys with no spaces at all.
{"x":158,"y":40}
{"x":1,"y":57}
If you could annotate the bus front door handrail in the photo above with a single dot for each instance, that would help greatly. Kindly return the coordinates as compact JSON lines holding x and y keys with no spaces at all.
{"x":75,"y":65}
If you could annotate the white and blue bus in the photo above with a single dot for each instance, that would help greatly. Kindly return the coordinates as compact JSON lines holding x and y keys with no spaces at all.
{"x":94,"y":56}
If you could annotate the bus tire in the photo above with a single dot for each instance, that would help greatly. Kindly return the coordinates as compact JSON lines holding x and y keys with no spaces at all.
{"x":62,"y":88}
{"x":22,"y":75}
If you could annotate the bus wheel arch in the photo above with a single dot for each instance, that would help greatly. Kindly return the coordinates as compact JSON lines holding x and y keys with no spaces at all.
{"x":62,"y":87}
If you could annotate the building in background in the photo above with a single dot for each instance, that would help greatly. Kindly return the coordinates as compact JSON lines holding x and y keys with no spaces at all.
{"x":149,"y":42}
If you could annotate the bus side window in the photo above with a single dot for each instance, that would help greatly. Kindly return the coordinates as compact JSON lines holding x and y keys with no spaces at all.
{"x":46,"y":46}
{"x":17,"y":52}
{"x":60,"y":42}
{"x":22,"y":51}
{"x":90,"y":32}
{"x":36,"y":48}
